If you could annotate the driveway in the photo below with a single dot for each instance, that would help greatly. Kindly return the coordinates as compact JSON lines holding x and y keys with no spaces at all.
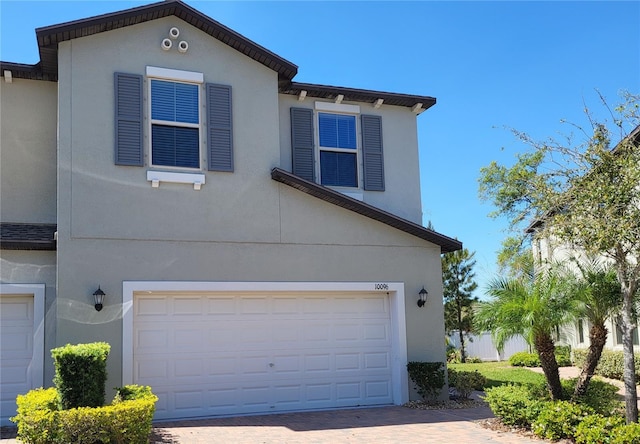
{"x":389,"y":424}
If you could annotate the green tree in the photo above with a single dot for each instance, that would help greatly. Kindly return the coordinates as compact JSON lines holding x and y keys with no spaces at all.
{"x":597,"y":291}
{"x":515,"y":258}
{"x":586,"y":196}
{"x":459,"y":285}
{"x":533,"y":308}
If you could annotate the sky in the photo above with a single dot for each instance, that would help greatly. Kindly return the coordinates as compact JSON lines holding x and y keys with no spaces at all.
{"x":492,"y":66}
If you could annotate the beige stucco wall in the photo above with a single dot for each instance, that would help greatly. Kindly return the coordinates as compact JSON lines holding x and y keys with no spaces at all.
{"x":28,"y":111}
{"x":400,"y":150}
{"x":242,"y":226}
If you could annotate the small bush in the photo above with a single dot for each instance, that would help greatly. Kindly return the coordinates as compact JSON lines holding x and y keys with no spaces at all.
{"x":597,"y":429}
{"x":611,"y":364}
{"x":559,"y":419}
{"x":601,"y":396}
{"x":563,"y":355}
{"x":466,"y":382}
{"x":453,"y":355}
{"x":128,"y":420}
{"x":80,"y":374}
{"x":513,"y":404}
{"x":428,"y":377}
{"x":524,"y":359}
{"x":474,"y":360}
{"x":627,"y":434}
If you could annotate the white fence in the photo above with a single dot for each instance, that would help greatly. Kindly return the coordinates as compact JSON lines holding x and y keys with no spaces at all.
{"x":482,"y":346}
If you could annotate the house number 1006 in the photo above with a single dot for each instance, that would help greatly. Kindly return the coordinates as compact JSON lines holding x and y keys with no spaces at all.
{"x":382,"y":286}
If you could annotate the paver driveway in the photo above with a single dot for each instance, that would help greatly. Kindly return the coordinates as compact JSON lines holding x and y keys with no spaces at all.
{"x":391,"y":424}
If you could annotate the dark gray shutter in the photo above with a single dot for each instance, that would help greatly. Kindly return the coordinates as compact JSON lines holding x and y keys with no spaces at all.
{"x":302,"y":143}
{"x":128,"y":119}
{"x":219,"y":127}
{"x":372,"y":153}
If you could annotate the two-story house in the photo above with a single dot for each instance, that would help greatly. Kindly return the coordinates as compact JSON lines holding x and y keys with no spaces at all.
{"x":258,"y":241}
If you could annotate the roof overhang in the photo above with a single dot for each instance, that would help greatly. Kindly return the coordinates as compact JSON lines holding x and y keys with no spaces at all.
{"x":359,"y":95}
{"x":26,"y":236}
{"x":50,"y":36}
{"x":445,"y":243}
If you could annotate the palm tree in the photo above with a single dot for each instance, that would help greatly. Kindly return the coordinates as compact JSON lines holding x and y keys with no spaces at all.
{"x":533,"y":307}
{"x":599,"y":297}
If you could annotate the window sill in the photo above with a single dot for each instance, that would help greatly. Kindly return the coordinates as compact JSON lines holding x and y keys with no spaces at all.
{"x":155,"y":177}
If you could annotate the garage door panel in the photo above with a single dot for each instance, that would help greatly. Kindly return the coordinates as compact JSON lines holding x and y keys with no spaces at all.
{"x":251,"y":353}
{"x":17,"y":350}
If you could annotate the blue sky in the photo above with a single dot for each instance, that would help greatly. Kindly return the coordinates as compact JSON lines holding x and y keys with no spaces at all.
{"x":491,"y":66}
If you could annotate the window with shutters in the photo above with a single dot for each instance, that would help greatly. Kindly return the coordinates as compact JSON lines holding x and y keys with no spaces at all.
{"x":338,"y":149}
{"x":175,"y":123}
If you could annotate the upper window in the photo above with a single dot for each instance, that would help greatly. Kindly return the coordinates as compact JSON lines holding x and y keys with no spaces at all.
{"x":175,"y":124}
{"x":338,"y":150}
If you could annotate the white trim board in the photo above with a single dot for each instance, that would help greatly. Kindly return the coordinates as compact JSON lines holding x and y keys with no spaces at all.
{"x":395,"y":290}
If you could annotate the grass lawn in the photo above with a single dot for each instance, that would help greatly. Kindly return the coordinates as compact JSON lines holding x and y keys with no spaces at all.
{"x":500,"y":373}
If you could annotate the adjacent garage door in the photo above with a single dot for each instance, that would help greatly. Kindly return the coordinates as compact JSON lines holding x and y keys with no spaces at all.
{"x":16,"y":351}
{"x":236,"y":353}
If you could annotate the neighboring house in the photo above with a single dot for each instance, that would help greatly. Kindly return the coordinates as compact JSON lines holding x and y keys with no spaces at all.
{"x":259,"y":241}
{"x":547,"y":250}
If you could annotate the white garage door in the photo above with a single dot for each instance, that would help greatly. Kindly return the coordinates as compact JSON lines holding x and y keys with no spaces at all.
{"x":235,"y":353}
{"x":16,"y":351}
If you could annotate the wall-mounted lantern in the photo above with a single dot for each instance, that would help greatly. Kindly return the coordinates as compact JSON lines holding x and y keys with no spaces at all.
{"x":422,"y":297}
{"x":98,"y":297}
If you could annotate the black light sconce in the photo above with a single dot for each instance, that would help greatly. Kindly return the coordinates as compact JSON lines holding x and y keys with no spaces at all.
{"x":98,"y":297}
{"x":423,"y":297}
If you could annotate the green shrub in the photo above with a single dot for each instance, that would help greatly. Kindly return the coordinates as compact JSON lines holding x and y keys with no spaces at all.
{"x":597,"y":429}
{"x":514,"y":405}
{"x":466,"y":382}
{"x":428,"y":377}
{"x":563,"y":355}
{"x":611,"y":364}
{"x":601,"y":396}
{"x":80,"y":374}
{"x":559,"y":419}
{"x":128,"y":420}
{"x":35,"y":416}
{"x":474,"y":360}
{"x":524,"y":359}
{"x":626,"y":434}
{"x":453,"y":355}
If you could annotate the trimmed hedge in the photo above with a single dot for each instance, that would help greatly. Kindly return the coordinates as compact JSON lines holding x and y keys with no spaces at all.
{"x":524,"y":359}
{"x":466,"y":382}
{"x":611,"y":364}
{"x":559,"y":419}
{"x":513,"y":404}
{"x":428,"y":377}
{"x":127,"y":420}
{"x":81,"y":374}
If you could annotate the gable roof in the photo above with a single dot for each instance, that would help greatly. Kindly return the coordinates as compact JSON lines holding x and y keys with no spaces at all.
{"x":50,"y":36}
{"x":445,"y":243}
{"x":24,"y":236}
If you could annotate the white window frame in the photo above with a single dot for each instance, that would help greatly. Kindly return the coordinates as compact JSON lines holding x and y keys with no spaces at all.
{"x":345,"y":110}
{"x":176,"y":76}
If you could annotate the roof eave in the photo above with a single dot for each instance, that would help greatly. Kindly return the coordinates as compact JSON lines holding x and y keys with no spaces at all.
{"x":445,"y":243}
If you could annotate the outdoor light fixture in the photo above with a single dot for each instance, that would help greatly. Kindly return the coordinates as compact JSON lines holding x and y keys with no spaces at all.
{"x":423,"y":297}
{"x":98,"y":297}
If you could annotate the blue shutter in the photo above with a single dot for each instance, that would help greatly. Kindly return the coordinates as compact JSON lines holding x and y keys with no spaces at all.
{"x":302,"y":143}
{"x":373,"y":160}
{"x":219,"y":127}
{"x":128,"y":119}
